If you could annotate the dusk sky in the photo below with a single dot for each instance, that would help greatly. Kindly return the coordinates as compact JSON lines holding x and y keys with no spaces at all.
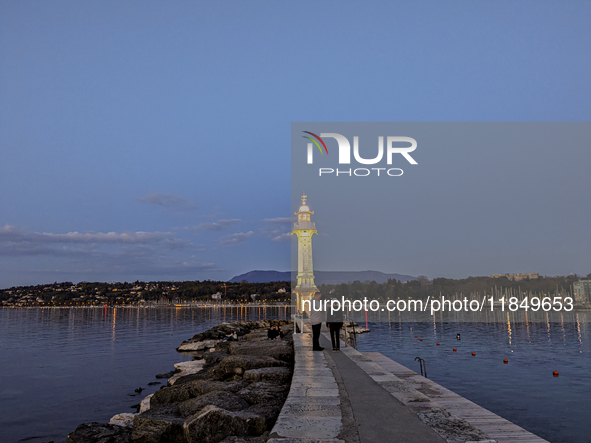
{"x":152,"y":140}
{"x":483,"y":198}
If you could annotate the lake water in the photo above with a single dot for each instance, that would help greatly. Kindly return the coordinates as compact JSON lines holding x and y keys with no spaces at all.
{"x":523,"y":391}
{"x":63,"y":367}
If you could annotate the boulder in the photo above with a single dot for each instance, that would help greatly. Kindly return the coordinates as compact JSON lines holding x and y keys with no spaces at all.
{"x":167,"y":374}
{"x":216,"y":373}
{"x":256,"y":335}
{"x":197,"y":345}
{"x":238,"y":364}
{"x":276,"y":375}
{"x":185,"y":391}
{"x":264,"y":392}
{"x":99,"y":433}
{"x":161,"y":423}
{"x":269,"y":411}
{"x":168,"y":409}
{"x":213,"y":424}
{"x":278,"y":349}
{"x":224,"y":345}
{"x":145,"y":404}
{"x":186,"y":368}
{"x":212,"y":358}
{"x":222,"y":399}
{"x":201,"y":375}
{"x":173,"y":394}
{"x":192,"y":365}
{"x":124,"y":419}
{"x":204,"y":386}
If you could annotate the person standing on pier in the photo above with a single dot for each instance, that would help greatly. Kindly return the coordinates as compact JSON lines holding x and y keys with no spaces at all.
{"x":334,"y":322}
{"x":316,"y":319}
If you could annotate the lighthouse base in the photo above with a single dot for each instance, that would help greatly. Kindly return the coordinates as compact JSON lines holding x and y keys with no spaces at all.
{"x":303,"y":294}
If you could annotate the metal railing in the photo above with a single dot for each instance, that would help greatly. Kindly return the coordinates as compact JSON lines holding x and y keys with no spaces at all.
{"x":350,"y":337}
{"x":423,"y":365}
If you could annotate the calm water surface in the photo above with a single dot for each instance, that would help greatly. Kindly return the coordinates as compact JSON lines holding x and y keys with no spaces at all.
{"x":63,"y":367}
{"x":523,"y":391}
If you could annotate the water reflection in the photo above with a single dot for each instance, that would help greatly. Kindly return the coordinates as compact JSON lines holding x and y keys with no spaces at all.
{"x":562,"y":328}
{"x":509,"y":329}
{"x":114,"y":326}
{"x":579,"y":334}
{"x":527,"y":328}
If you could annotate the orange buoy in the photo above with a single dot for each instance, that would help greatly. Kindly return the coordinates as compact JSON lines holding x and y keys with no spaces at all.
{"x":416,"y":336}
{"x":505,"y":361}
{"x":555,"y":373}
{"x":437,"y":344}
{"x":455,"y":350}
{"x":420,"y":339}
{"x":473,"y":354}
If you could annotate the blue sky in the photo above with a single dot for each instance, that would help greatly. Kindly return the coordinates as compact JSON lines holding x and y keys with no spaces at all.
{"x":151,"y":140}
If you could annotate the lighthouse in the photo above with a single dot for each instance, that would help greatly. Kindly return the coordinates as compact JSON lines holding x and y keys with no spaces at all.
{"x":304,"y":228}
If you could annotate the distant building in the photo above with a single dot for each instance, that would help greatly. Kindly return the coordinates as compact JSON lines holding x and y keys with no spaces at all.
{"x":281,"y":291}
{"x":216,"y":296}
{"x":582,"y":292}
{"x":518,"y":277}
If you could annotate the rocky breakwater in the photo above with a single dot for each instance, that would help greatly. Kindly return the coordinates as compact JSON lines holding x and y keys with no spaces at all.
{"x":232,"y":392}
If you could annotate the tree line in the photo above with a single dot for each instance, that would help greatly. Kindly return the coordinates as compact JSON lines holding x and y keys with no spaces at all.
{"x":422,"y":288}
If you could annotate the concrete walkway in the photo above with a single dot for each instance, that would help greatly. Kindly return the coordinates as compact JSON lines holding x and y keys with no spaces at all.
{"x":379,"y":416}
{"x":312,"y":411}
{"x":350,"y":397}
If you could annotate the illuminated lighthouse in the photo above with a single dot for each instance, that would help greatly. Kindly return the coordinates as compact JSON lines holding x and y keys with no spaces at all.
{"x":304,"y":229}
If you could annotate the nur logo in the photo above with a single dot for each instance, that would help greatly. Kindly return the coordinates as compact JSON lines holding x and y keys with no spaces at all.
{"x":315,"y":142}
{"x":393,"y":146}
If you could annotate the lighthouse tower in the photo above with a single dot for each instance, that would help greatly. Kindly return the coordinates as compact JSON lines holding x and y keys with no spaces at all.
{"x":304,"y":229}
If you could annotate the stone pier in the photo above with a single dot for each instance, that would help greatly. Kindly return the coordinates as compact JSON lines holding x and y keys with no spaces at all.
{"x":356,"y":397}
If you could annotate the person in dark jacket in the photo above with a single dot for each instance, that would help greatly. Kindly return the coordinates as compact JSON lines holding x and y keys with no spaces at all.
{"x":334,"y":322}
{"x":316,"y":320}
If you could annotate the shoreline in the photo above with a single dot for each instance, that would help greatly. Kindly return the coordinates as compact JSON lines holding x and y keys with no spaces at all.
{"x":189,"y":305}
{"x":575,"y":310}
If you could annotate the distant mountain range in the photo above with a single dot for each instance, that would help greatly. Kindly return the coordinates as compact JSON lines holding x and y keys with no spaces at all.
{"x":322,"y":277}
